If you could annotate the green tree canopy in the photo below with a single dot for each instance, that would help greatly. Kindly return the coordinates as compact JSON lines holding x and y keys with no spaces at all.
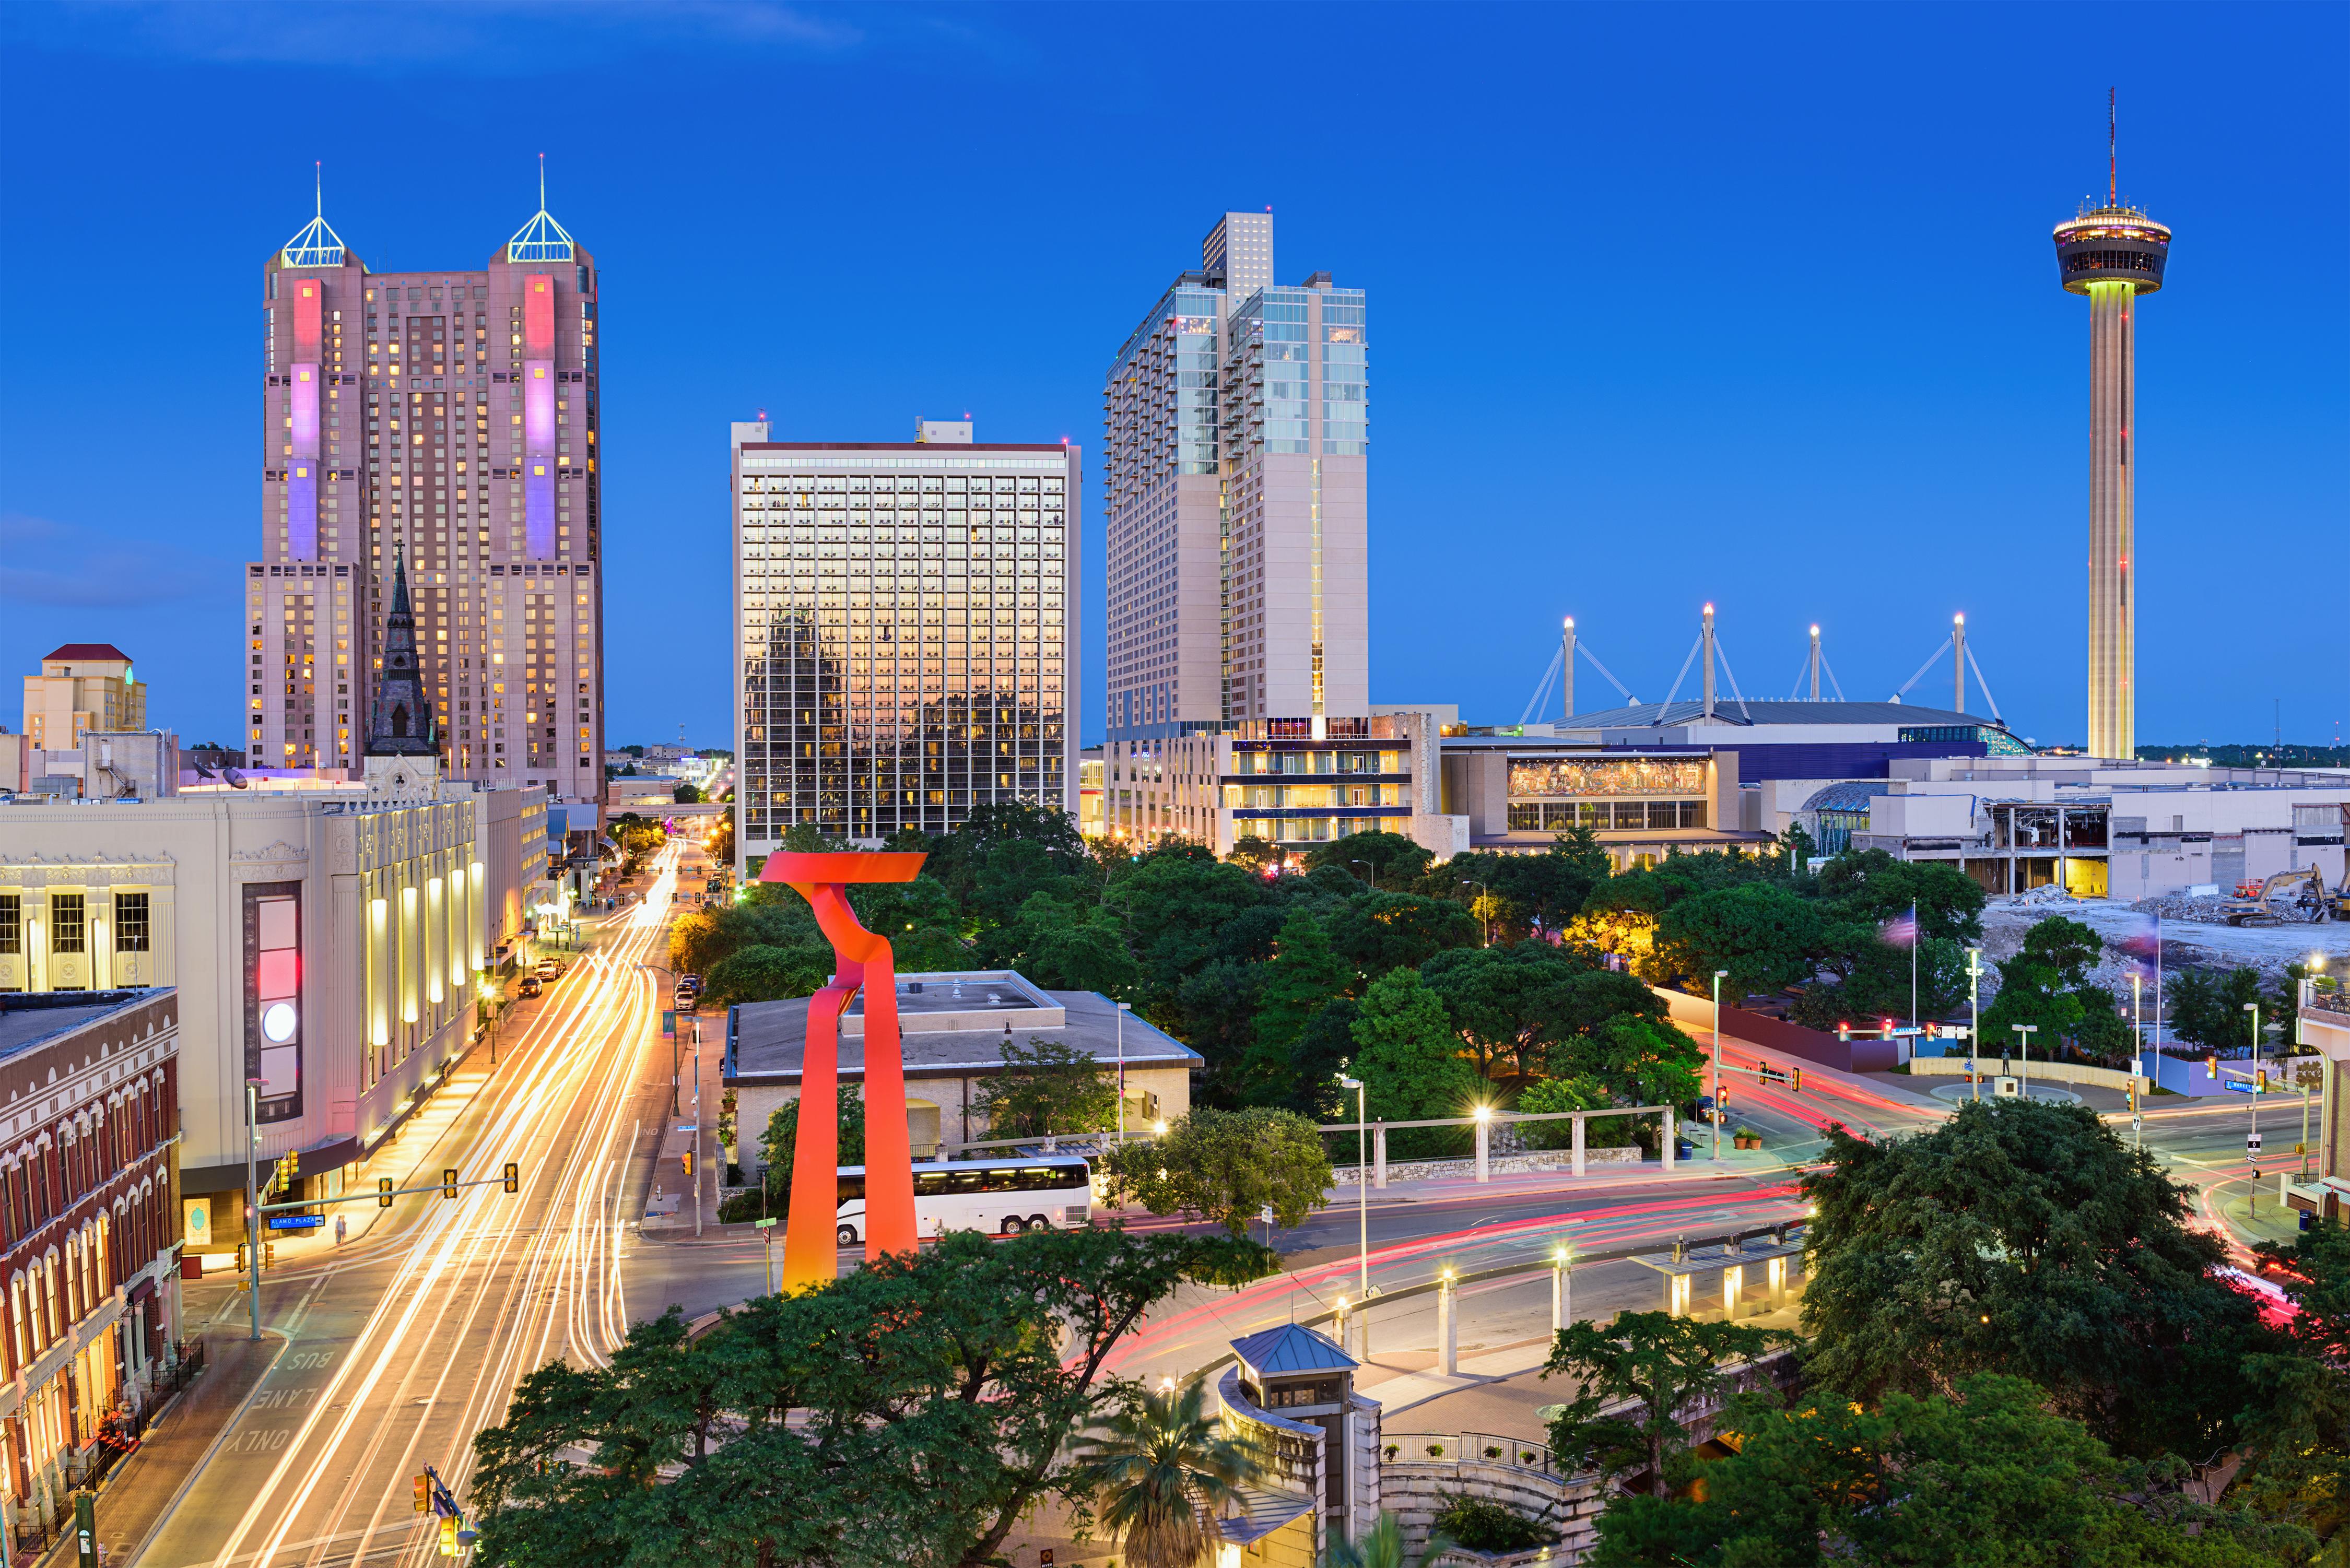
{"x":1302,"y":978}
{"x":1048,"y":1086}
{"x":2026,"y":1238}
{"x":1379,"y":932}
{"x":1175,"y":903}
{"x":778,"y":1144}
{"x":765,"y":974}
{"x":1226,"y":1165}
{"x":1661,"y":1364}
{"x":1064,"y":945}
{"x":1870,"y":885}
{"x":1410,"y":1062}
{"x":1989,"y":1478}
{"x":1766,"y":936}
{"x":1386,"y":859}
{"x":2208,"y":1009}
{"x":909,"y":1413}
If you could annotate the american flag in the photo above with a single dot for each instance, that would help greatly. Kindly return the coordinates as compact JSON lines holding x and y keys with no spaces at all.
{"x":1901,"y":930}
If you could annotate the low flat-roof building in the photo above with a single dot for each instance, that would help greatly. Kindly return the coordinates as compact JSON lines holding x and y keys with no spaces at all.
{"x":2111,"y":829}
{"x":955,"y":1025}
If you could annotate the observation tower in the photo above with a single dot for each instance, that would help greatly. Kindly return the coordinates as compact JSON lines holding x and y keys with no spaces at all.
{"x":2112,"y":253}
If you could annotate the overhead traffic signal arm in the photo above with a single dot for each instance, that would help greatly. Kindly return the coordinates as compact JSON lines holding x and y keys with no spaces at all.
{"x":511,"y":1179}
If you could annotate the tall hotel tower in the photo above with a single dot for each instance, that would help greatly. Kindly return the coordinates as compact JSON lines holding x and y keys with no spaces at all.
{"x":1234,"y":480}
{"x":904,"y":632}
{"x":444,"y":422}
{"x":2113,"y":253}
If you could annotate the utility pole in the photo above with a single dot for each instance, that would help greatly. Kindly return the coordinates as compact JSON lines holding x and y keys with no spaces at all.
{"x":2252,"y":1141}
{"x":2026,"y":1031}
{"x":1975,"y":1019}
{"x":253,"y":1199}
{"x":1718,"y":976}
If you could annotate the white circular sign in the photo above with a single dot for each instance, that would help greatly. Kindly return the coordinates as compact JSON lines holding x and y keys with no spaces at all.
{"x":277,"y":1022}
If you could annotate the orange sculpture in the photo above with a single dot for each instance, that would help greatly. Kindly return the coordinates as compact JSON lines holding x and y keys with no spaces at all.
{"x":861,"y":961}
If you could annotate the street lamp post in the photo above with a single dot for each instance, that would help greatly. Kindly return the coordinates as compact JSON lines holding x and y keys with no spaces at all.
{"x":1123,"y":1009}
{"x":253,"y":1199}
{"x":1484,"y":926}
{"x":672,"y":1034}
{"x":1362,"y":1186}
{"x":2027,"y":1030}
{"x":1975,"y":1019}
{"x":2252,"y":1141}
{"x":1719,"y":975}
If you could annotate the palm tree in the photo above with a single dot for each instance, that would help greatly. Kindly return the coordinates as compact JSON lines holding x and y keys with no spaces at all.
{"x":1163,"y":1470}
{"x":1382,"y":1547}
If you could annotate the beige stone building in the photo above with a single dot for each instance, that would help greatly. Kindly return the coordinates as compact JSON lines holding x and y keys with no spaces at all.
{"x":955,"y":1027}
{"x":82,"y":686}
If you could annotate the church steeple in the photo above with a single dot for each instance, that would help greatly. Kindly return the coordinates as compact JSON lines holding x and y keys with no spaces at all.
{"x":402,"y":721}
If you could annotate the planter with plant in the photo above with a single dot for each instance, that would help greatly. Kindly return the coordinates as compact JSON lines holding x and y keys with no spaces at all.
{"x":1481,"y":1524}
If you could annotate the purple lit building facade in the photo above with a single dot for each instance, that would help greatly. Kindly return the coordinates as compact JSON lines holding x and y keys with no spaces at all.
{"x":449,"y":420}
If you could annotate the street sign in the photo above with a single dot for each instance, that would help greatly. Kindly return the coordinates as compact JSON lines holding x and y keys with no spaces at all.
{"x":669,"y":1024}
{"x":295,"y":1221}
{"x":766,"y":1224}
{"x":2252,"y":1145}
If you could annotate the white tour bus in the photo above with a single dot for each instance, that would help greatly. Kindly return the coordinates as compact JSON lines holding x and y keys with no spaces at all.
{"x":1007,"y":1196}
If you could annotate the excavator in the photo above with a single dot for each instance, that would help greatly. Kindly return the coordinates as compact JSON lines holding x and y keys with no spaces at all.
{"x":2289,"y":895}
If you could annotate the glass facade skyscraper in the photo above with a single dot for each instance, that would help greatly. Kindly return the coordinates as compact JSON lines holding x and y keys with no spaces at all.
{"x":905,"y":633}
{"x":1237,"y":425}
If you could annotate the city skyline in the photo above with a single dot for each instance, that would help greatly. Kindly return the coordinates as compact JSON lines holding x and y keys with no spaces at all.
{"x":1522,"y":477}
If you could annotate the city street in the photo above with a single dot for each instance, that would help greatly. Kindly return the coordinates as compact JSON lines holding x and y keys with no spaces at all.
{"x":397,"y":1351}
{"x":392,"y":1352}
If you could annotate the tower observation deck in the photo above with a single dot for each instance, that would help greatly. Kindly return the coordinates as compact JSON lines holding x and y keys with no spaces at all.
{"x":2112,"y":253}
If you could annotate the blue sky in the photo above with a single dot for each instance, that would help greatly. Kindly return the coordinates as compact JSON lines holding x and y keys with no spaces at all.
{"x":1671,"y":303}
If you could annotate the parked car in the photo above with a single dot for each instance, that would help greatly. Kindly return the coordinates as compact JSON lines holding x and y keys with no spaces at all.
{"x":528,"y":985}
{"x":691,"y":982}
{"x":548,"y":969}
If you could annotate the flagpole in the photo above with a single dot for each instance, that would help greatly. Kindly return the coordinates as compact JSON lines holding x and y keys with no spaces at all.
{"x":1914,"y":934}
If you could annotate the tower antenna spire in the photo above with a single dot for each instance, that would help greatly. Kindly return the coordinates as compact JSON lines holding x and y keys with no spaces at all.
{"x":318,"y":185}
{"x":2113,"y":166}
{"x":542,"y":182}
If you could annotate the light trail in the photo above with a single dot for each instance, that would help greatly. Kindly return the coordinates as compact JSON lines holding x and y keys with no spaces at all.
{"x":484,"y":1290}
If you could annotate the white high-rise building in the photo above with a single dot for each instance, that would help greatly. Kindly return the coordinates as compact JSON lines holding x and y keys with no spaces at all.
{"x":1235,"y":480}
{"x":904,"y":632}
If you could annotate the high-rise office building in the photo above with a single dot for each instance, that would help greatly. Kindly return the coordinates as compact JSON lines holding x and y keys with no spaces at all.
{"x":904,"y":632}
{"x":448,"y":419}
{"x":1235,"y":481}
{"x":2112,"y":253}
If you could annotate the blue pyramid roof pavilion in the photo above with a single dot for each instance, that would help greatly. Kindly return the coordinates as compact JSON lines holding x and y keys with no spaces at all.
{"x":1291,"y":1349}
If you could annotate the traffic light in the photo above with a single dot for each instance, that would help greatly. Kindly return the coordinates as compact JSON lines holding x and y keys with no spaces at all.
{"x":240,"y":1257}
{"x":448,"y":1535}
{"x":423,"y":1493}
{"x":2260,"y":1080}
{"x":2212,"y":1066}
{"x":689,"y":1162}
{"x":513,"y":1177}
{"x":269,"y":1254}
{"x":448,"y":1184}
{"x":1797,"y":1086}
{"x":383,"y":1192}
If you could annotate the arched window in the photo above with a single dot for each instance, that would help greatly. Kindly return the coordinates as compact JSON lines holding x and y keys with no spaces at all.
{"x":106,"y":1270}
{"x":74,"y":1301}
{"x":21,"y":1322}
{"x":52,"y":1325}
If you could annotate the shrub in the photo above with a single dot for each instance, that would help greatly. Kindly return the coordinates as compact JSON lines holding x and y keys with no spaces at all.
{"x":1483,"y":1525}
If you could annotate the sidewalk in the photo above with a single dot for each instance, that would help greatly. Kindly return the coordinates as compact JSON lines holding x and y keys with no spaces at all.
{"x":141,"y":1489}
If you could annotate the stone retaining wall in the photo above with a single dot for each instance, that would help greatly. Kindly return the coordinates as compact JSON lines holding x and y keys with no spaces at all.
{"x":1414,"y":1489}
{"x":1459,"y":1170}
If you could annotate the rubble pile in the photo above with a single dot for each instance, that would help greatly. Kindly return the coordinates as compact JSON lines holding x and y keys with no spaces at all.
{"x":2210,"y":911}
{"x":2046,"y":894}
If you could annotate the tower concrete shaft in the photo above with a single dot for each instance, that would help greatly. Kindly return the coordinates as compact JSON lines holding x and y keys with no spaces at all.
{"x":2113,"y":591}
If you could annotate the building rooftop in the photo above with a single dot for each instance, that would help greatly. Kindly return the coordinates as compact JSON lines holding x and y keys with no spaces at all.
{"x":30,"y":1018}
{"x":540,"y":240}
{"x":1290,"y":1349}
{"x":90,"y":652}
{"x":1730,"y":711}
{"x":316,"y":247}
{"x":955,"y":1025}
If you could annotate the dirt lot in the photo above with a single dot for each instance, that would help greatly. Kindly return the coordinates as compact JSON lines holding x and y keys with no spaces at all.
{"x":2186,"y":944}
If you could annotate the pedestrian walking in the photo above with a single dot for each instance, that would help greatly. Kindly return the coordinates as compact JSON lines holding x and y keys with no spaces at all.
{"x":341,"y":1225}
